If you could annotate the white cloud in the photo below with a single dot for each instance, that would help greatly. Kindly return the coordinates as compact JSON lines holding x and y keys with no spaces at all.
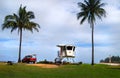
{"x":112,"y":15}
{"x":59,"y":25}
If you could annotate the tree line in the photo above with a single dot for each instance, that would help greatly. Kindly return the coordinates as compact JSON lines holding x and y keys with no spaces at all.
{"x":113,"y":59}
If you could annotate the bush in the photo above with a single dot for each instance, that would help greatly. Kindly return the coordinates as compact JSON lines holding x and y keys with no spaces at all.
{"x":79,"y":62}
{"x":10,"y":63}
{"x":65,"y":62}
{"x":45,"y":62}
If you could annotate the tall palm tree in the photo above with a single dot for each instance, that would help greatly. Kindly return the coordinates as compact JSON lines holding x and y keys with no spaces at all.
{"x":90,"y":10}
{"x":20,"y":22}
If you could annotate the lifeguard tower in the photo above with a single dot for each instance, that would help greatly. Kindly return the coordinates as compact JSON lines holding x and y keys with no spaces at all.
{"x":66,"y":51}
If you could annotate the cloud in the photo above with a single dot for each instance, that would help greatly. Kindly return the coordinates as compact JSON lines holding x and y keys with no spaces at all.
{"x":59,"y":25}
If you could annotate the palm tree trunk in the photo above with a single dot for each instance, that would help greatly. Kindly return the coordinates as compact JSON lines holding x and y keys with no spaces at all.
{"x":19,"y":56}
{"x":92,"y":25}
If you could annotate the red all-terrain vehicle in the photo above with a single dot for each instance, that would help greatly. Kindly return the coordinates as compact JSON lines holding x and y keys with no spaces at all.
{"x":29,"y":59}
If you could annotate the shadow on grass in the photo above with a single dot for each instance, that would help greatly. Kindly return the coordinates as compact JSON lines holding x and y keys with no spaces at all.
{"x":114,"y":67}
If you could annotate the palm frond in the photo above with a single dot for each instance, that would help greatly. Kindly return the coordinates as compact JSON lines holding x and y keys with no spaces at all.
{"x":80,"y":14}
{"x":83,"y":19}
{"x":14,"y":28}
{"x":87,"y":3}
{"x":30,"y":26}
{"x":9,"y":17}
{"x":30,"y":15}
{"x":8,"y":24}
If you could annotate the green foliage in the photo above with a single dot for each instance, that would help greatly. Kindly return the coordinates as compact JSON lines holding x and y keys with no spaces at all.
{"x":45,"y":62}
{"x":64,"y":71}
{"x":114,"y":59}
{"x":20,"y":21}
{"x":91,"y":9}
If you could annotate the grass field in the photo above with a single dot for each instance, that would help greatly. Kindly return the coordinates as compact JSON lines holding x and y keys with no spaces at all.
{"x":64,"y":71}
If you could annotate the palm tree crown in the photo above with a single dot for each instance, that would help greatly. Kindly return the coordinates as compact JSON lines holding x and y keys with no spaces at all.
{"x":20,"y":22}
{"x":91,"y":9}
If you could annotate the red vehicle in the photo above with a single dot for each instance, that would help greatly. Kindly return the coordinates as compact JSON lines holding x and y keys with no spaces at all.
{"x":29,"y":59}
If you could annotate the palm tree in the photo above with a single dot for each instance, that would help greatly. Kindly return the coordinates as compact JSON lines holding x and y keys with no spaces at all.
{"x":20,"y":22}
{"x":91,"y":9}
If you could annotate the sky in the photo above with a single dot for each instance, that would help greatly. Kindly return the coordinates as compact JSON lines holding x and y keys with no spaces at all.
{"x":59,"y":25}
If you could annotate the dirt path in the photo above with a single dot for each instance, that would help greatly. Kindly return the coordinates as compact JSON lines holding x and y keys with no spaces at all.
{"x":45,"y":65}
{"x":112,"y":64}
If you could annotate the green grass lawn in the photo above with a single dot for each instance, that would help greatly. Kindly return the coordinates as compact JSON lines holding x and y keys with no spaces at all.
{"x":64,"y":71}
